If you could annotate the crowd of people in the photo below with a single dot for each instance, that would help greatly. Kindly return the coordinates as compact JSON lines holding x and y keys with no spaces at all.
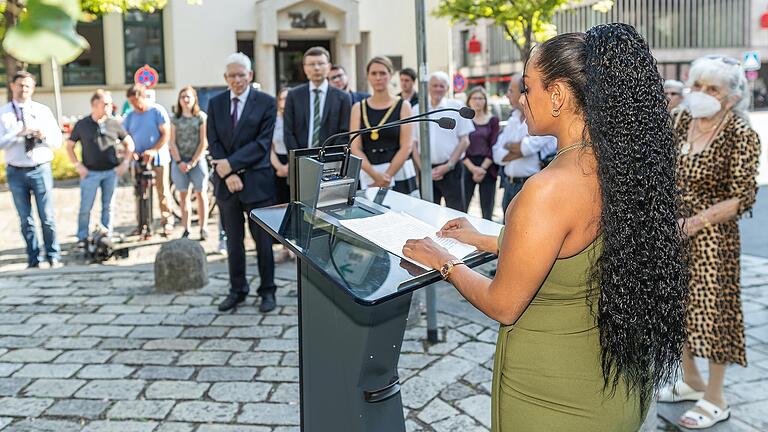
{"x":617,"y":261}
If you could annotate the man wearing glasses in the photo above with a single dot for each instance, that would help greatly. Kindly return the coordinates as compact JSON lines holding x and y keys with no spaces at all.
{"x":99,"y":135}
{"x":315,"y":110}
{"x":241,"y":122}
{"x":339,"y":79}
{"x":673,"y":90}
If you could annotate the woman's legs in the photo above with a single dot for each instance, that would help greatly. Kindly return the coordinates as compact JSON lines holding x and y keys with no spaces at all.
{"x":185,"y":209}
{"x":714,"y":391}
{"x":202,"y":210}
{"x":691,"y":374}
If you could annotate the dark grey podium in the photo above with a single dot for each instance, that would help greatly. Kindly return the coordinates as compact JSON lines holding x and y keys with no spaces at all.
{"x":353,"y":305}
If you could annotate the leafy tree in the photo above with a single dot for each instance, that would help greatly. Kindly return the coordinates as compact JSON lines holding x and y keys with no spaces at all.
{"x":41,"y":29}
{"x":523,"y":21}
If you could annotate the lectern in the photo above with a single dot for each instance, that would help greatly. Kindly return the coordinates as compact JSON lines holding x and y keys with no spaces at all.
{"x":353,"y":304}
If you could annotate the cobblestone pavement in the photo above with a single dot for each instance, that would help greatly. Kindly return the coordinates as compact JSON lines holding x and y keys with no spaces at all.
{"x":92,"y":348}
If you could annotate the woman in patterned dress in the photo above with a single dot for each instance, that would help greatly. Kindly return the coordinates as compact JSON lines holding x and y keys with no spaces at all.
{"x":188,"y":145}
{"x":717,"y":167}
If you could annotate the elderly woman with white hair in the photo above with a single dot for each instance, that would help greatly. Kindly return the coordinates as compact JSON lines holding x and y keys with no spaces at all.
{"x":717,"y":166}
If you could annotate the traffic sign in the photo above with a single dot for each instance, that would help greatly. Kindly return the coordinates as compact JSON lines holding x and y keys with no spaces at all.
{"x":751,"y":61}
{"x":147,"y":76}
{"x":459,"y":82}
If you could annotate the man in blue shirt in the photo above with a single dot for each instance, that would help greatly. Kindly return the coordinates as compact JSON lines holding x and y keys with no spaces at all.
{"x":149,"y":126}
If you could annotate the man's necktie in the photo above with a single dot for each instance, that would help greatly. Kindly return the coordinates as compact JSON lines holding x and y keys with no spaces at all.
{"x":21,"y":117}
{"x":234,"y":112}
{"x":316,"y":119}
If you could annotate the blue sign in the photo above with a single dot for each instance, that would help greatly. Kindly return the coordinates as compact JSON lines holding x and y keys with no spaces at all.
{"x":751,"y":61}
{"x":459,"y":83}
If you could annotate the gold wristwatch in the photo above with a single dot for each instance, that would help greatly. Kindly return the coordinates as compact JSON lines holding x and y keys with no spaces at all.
{"x":447,"y":268}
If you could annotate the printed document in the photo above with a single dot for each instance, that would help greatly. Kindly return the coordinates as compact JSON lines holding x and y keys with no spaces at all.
{"x":391,"y":230}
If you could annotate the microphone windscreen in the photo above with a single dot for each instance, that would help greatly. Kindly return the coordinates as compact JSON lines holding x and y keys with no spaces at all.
{"x":467,"y":113}
{"x":447,"y":122}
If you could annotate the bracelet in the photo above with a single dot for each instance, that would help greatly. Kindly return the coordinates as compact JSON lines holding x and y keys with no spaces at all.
{"x":704,"y":221}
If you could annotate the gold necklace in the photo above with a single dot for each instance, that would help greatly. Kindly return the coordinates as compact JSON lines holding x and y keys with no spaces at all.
{"x":685,"y":149}
{"x":569,"y":148}
{"x":367,"y":124}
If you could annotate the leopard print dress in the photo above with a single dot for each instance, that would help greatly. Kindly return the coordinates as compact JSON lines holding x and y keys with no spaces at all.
{"x":724,"y":170}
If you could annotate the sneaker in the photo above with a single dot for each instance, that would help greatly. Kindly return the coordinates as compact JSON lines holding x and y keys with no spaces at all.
{"x":55,"y":264}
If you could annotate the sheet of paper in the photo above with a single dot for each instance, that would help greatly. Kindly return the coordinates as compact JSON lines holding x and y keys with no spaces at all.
{"x":391,"y":230}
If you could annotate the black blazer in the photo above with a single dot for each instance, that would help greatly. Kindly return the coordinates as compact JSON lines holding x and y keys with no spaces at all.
{"x":335,"y":116}
{"x":247,"y":147}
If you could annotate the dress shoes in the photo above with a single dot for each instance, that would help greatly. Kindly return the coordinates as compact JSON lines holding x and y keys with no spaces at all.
{"x":267,"y":302}
{"x":232,"y":300}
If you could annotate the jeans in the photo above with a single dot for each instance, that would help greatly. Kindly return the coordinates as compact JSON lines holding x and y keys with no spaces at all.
{"x":107,"y":181}
{"x":38,"y":181}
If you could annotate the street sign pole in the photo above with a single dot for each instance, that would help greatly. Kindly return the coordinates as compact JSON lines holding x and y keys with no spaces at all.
{"x":425,"y":174}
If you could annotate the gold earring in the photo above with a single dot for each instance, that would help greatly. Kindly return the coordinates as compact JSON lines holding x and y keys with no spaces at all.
{"x":555,"y":112}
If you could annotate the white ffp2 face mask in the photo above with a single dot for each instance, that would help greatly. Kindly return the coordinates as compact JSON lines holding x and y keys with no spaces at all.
{"x":702,"y":105}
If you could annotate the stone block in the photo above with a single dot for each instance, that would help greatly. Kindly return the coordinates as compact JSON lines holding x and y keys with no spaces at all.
{"x":180,"y":265}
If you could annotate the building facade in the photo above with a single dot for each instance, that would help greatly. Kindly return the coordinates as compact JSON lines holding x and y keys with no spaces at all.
{"x":187,"y":45}
{"x":678,"y":32}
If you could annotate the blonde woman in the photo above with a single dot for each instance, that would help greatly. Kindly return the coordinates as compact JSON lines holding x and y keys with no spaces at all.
{"x":386,"y":153}
{"x":188,"y":145}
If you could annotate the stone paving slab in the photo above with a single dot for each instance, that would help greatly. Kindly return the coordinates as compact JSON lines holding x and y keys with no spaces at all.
{"x":127,"y":360}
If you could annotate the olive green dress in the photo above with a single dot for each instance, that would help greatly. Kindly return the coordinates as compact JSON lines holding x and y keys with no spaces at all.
{"x":546,"y":373}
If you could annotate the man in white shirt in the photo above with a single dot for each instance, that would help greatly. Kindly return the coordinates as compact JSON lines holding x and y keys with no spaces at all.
{"x":446,"y":146}
{"x":517,"y":151}
{"x":28,"y":132}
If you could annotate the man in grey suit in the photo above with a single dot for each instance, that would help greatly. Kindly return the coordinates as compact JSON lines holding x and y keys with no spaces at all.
{"x":315,"y":110}
{"x":240,"y":126}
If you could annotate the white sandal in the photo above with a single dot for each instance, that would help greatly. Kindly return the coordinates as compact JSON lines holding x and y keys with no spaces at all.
{"x":679,"y":392}
{"x":712,"y":414}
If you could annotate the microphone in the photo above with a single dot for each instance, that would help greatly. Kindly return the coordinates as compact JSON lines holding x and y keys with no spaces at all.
{"x":443,"y":122}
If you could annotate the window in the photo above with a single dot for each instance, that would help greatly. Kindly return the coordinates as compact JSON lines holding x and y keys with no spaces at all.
{"x":245,"y":45}
{"x":464,"y":36}
{"x":143,"y":39}
{"x":34,"y":69}
{"x":89,"y":67}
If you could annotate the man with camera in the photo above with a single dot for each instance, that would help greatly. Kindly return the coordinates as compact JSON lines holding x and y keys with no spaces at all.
{"x":28,"y":133}
{"x":149,"y":126}
{"x":99,"y":135}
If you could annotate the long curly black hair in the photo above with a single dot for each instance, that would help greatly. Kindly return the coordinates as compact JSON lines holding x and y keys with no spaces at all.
{"x":641,"y":275}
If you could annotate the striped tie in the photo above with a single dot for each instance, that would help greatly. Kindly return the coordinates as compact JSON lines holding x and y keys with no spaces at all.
{"x":316,"y":119}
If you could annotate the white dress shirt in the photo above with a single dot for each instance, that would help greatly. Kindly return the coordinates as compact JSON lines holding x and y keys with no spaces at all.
{"x":530,"y":146}
{"x":241,"y":100}
{"x":36,"y":116}
{"x":323,"y":93}
{"x":442,"y":142}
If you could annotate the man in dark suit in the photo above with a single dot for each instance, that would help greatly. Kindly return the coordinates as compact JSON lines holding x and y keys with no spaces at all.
{"x":315,"y":110}
{"x":240,"y":126}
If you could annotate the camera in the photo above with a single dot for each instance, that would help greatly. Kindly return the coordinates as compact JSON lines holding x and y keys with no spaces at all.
{"x":30,"y":142}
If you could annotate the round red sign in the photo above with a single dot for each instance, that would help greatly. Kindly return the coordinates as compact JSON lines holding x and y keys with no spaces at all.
{"x":147,"y":76}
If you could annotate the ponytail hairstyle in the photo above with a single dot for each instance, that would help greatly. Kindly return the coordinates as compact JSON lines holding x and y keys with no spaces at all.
{"x":641,"y":274}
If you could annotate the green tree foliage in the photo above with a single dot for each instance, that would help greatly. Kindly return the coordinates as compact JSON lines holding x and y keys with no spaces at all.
{"x":524,"y":21}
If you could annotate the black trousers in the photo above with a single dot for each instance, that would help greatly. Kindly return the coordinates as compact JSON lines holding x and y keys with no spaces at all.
{"x":233,"y":214}
{"x":282,"y":190}
{"x":451,"y":187}
{"x":487,"y":192}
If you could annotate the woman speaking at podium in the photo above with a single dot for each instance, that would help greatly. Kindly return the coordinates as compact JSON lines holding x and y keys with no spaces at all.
{"x":386,"y":154}
{"x":591,"y":284}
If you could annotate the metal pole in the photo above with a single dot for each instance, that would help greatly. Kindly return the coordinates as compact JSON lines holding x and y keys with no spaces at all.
{"x":426,"y":161}
{"x":56,"y":91}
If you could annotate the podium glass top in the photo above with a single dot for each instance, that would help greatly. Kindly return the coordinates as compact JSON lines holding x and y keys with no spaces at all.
{"x":367,"y":272}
